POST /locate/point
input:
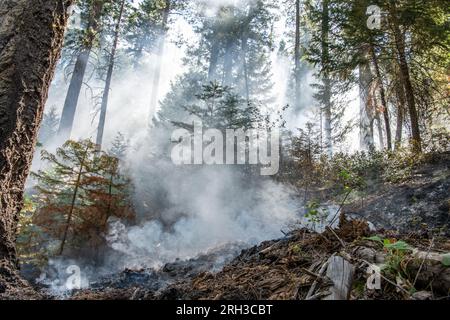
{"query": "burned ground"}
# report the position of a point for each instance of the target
(413, 256)
(288, 268)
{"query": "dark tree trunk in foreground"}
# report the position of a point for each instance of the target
(112, 59)
(76, 82)
(31, 37)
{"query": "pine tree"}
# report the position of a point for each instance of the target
(141, 30)
(119, 146)
(78, 194)
(235, 49)
(49, 126)
(110, 69)
(220, 108)
(81, 43)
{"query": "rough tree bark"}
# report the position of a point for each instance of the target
(76, 81)
(31, 37)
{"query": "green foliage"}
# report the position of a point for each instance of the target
(30, 237)
(374, 238)
(240, 39)
(397, 246)
(119, 146)
(49, 126)
(400, 165)
(91, 14)
(446, 260)
(296, 249)
(77, 195)
(312, 212)
(397, 251)
(391, 245)
(220, 108)
(423, 32)
(315, 214)
(142, 28)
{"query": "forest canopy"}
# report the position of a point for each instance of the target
(152, 122)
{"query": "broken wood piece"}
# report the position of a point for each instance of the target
(340, 272)
(314, 285)
(314, 275)
(337, 237)
(319, 295)
(269, 248)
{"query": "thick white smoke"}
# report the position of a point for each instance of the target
(188, 210)
(182, 211)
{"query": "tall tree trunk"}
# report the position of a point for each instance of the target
(112, 59)
(384, 104)
(213, 60)
(365, 107)
(380, 131)
(244, 50)
(297, 55)
(228, 62)
(229, 50)
(326, 77)
(76, 81)
(74, 199)
(400, 93)
(158, 60)
(406, 79)
(31, 37)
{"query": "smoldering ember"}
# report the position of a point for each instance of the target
(228, 150)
